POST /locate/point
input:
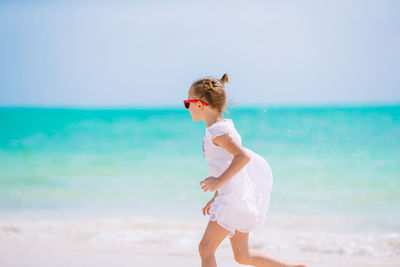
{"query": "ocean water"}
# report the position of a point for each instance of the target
(336, 170)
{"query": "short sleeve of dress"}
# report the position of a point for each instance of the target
(218, 130)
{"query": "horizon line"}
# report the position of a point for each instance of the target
(235, 106)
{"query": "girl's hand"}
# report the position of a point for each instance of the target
(211, 183)
(207, 207)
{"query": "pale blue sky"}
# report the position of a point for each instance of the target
(127, 53)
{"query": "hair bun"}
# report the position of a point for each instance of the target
(207, 83)
(224, 78)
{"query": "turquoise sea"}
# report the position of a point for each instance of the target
(337, 164)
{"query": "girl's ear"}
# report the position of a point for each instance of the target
(200, 105)
(224, 78)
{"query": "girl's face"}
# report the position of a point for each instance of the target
(195, 109)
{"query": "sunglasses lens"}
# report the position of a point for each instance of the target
(187, 104)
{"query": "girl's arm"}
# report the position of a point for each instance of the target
(238, 162)
(240, 159)
(207, 207)
(215, 195)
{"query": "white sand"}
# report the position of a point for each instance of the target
(138, 242)
(57, 253)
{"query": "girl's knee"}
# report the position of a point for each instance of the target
(205, 249)
(243, 258)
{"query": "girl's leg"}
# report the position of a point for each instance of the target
(240, 247)
(213, 236)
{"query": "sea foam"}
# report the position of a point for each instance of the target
(185, 234)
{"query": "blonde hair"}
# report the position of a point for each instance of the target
(212, 91)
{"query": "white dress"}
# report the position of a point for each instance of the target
(243, 201)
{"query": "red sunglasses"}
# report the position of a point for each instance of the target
(187, 102)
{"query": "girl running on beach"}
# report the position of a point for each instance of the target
(242, 179)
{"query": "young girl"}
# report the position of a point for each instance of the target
(242, 180)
